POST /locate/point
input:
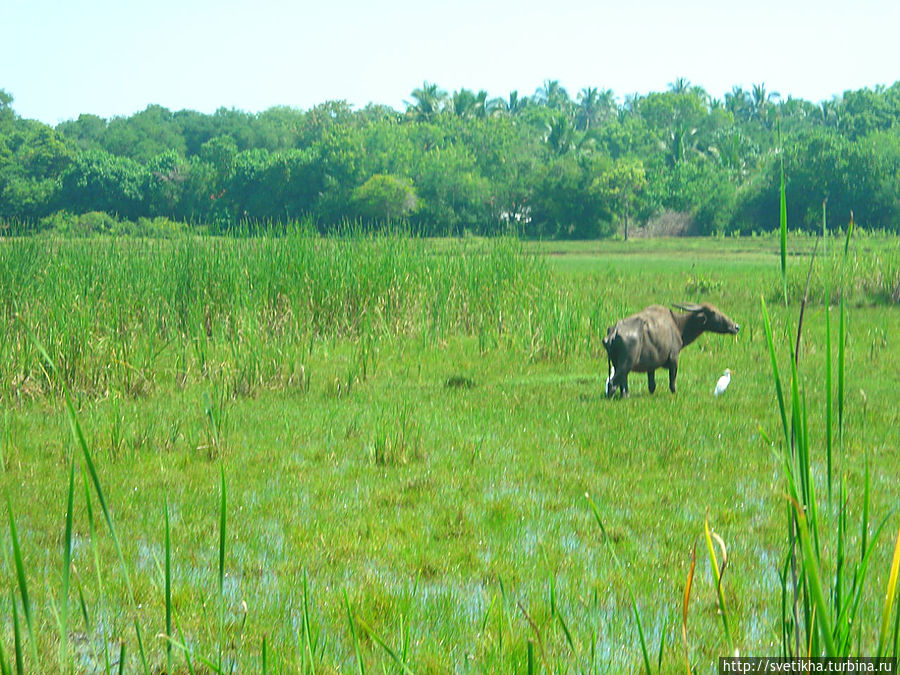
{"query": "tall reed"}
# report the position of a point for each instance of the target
(822, 619)
(123, 315)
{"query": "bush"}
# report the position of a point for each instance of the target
(384, 198)
(96, 223)
(80, 225)
(157, 228)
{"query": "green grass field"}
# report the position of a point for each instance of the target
(407, 432)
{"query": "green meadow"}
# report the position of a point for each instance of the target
(377, 453)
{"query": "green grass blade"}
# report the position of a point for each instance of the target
(864, 525)
(851, 609)
(184, 650)
(140, 641)
(838, 594)
(566, 633)
(212, 666)
(778, 389)
(717, 574)
(662, 646)
(107, 664)
(813, 578)
(223, 503)
(360, 666)
(634, 607)
(307, 627)
(66, 572)
(82, 604)
(23, 582)
(386, 647)
(842, 338)
(685, 605)
(78, 436)
(786, 619)
(265, 656)
(121, 657)
(847, 241)
(4, 661)
(93, 533)
(168, 573)
(17, 635)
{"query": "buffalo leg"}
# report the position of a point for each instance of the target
(620, 382)
(673, 373)
(651, 380)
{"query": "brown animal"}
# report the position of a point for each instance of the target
(653, 338)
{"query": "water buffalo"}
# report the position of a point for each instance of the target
(653, 338)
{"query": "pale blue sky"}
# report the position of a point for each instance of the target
(60, 58)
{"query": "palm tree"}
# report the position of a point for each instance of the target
(560, 135)
(595, 107)
(761, 101)
(681, 85)
(516, 103)
(832, 112)
(631, 104)
(553, 95)
(683, 141)
(588, 108)
(512, 106)
(481, 103)
(429, 101)
(608, 101)
(738, 103)
(465, 103)
(734, 149)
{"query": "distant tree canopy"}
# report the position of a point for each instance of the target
(546, 165)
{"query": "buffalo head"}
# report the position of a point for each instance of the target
(711, 318)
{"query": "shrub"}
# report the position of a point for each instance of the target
(385, 198)
(80, 225)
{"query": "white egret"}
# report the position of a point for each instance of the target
(612, 374)
(723, 383)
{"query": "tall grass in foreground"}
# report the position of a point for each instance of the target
(822, 582)
(818, 617)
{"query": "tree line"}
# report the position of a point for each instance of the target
(545, 165)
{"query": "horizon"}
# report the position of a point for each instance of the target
(573, 95)
(109, 59)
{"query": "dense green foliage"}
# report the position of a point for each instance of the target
(546, 165)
